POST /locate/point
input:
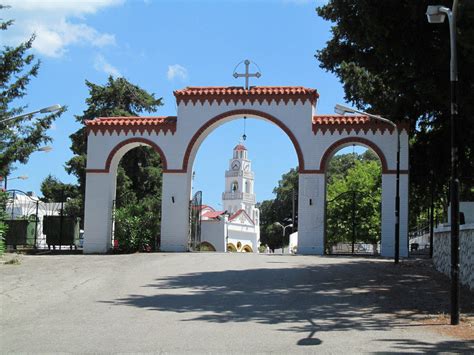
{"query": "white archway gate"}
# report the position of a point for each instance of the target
(202, 109)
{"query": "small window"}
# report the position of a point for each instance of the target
(234, 186)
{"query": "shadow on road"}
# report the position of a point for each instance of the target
(356, 294)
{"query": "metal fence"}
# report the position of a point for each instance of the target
(35, 224)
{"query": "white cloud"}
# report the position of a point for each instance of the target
(101, 64)
(177, 71)
(51, 21)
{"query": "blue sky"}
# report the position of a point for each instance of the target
(163, 46)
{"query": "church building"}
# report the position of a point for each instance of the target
(237, 227)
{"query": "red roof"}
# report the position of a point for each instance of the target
(240, 147)
(340, 119)
(238, 213)
(133, 124)
(256, 93)
(339, 123)
(213, 214)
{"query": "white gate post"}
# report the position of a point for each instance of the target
(404, 215)
(175, 212)
(100, 193)
(311, 203)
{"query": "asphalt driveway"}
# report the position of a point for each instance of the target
(212, 302)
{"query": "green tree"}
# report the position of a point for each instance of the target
(138, 197)
(391, 61)
(278, 210)
(356, 194)
(19, 137)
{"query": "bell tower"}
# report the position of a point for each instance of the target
(239, 183)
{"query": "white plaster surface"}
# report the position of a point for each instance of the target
(100, 188)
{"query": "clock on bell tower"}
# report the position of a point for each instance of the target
(239, 183)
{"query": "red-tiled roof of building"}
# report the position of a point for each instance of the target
(339, 123)
(340, 119)
(213, 214)
(256, 93)
(238, 213)
(134, 124)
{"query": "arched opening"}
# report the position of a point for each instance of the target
(137, 165)
(242, 176)
(231, 248)
(206, 246)
(247, 249)
(353, 170)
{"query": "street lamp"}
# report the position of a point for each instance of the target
(43, 110)
(21, 177)
(341, 110)
(437, 14)
(284, 230)
(45, 149)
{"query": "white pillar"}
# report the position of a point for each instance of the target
(387, 243)
(388, 215)
(311, 210)
(100, 193)
(175, 212)
(404, 215)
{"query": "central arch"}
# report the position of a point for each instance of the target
(207, 128)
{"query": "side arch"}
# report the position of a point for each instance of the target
(257, 113)
(231, 247)
(329, 153)
(122, 144)
(208, 245)
(247, 249)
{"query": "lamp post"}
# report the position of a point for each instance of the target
(21, 177)
(45, 149)
(340, 109)
(437, 14)
(284, 230)
(226, 215)
(43, 110)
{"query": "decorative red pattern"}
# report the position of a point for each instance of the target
(258, 94)
(114, 151)
(240, 147)
(238, 213)
(339, 123)
(131, 124)
(247, 112)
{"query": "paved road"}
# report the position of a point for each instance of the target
(211, 302)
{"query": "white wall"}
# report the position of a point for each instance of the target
(467, 208)
(213, 232)
(100, 187)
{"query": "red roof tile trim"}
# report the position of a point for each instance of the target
(240, 147)
(213, 214)
(237, 214)
(339, 123)
(258, 94)
(164, 124)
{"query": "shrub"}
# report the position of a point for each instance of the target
(136, 228)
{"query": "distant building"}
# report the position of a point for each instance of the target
(237, 227)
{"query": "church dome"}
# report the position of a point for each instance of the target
(240, 146)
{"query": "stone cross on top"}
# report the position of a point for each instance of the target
(247, 75)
